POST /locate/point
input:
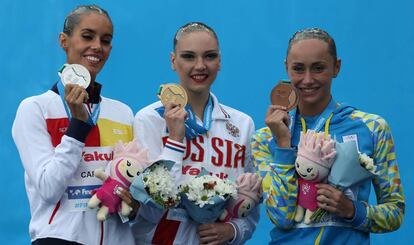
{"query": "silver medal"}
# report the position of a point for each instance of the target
(75, 74)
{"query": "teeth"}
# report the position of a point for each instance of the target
(308, 89)
(198, 77)
(92, 58)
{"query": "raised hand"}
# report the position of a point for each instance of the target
(277, 119)
(174, 117)
(75, 97)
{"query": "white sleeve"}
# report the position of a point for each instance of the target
(148, 131)
(246, 226)
(48, 168)
(174, 151)
(249, 167)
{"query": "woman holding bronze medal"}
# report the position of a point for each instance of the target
(311, 64)
(64, 134)
(191, 127)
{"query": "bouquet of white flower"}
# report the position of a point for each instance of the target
(155, 186)
(205, 197)
(350, 168)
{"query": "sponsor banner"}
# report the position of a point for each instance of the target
(81, 192)
(80, 187)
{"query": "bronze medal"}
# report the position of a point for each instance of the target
(172, 93)
(284, 94)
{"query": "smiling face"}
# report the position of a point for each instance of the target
(309, 170)
(128, 168)
(196, 60)
(89, 44)
(311, 67)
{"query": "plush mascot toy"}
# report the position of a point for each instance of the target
(129, 161)
(316, 154)
(249, 193)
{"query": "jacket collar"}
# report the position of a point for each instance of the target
(218, 111)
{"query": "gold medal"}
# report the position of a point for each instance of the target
(284, 94)
(172, 93)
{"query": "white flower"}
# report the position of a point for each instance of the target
(160, 186)
(201, 190)
(368, 163)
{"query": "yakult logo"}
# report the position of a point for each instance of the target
(97, 156)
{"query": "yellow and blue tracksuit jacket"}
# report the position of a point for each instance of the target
(280, 186)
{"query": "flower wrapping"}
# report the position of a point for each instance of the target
(349, 169)
(156, 187)
(205, 197)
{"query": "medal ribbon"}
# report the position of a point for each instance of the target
(323, 119)
(191, 122)
(93, 116)
(192, 128)
(326, 124)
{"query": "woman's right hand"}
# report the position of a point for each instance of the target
(75, 96)
(175, 116)
(277, 119)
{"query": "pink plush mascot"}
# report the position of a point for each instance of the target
(129, 162)
(249, 193)
(316, 154)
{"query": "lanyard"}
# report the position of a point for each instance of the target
(192, 128)
(323, 119)
(191, 123)
(328, 121)
(93, 116)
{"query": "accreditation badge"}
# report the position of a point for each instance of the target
(284, 94)
(75, 74)
(172, 93)
(83, 182)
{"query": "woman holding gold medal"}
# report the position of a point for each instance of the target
(311, 64)
(191, 127)
(66, 133)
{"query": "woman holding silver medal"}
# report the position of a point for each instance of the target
(191, 127)
(67, 132)
(311, 64)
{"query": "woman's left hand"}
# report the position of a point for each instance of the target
(128, 199)
(334, 201)
(216, 233)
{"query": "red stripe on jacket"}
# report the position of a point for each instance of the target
(57, 127)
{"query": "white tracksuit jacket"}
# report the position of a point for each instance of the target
(224, 151)
(53, 152)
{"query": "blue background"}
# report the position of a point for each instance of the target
(375, 40)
